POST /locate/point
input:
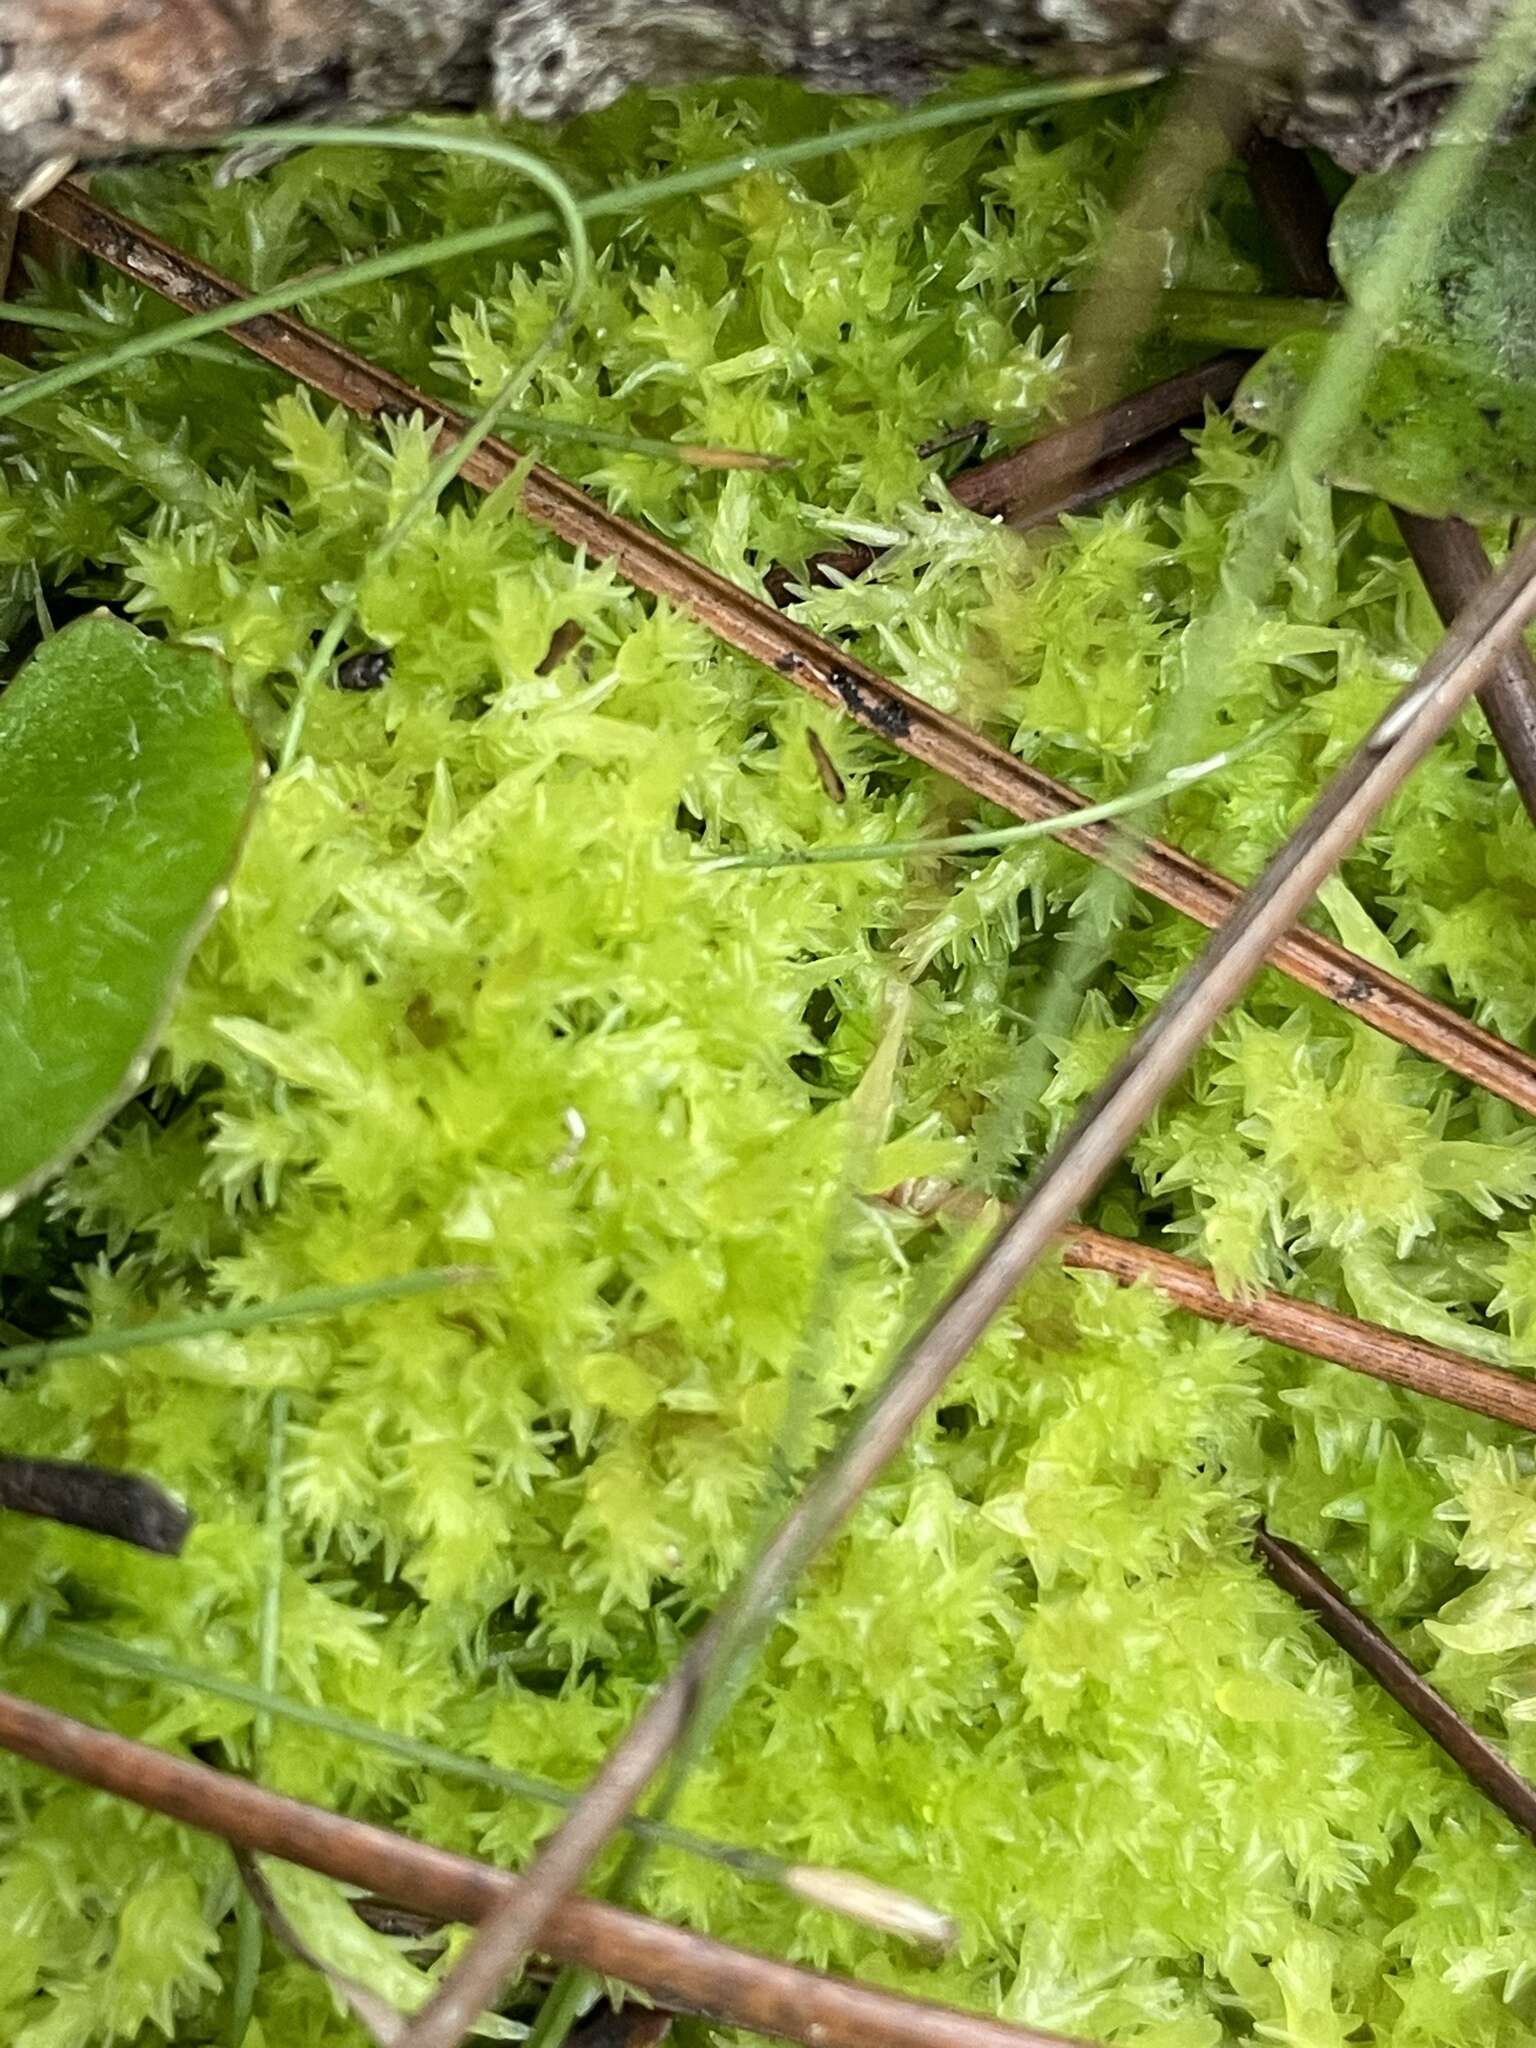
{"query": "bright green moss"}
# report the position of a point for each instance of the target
(1041, 1681)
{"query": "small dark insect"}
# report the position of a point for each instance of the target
(565, 639)
(365, 671)
(826, 768)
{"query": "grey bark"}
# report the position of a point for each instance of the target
(87, 78)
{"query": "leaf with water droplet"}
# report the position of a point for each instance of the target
(1447, 420)
(1430, 432)
(1476, 300)
(127, 779)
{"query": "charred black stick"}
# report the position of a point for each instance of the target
(115, 1504)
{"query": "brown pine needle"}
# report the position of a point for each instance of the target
(1448, 553)
(1055, 471)
(1450, 556)
(1044, 497)
(1326, 1333)
(677, 1968)
(1306, 1581)
(820, 667)
(826, 768)
(1305, 1326)
(1070, 1177)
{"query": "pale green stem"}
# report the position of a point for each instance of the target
(81, 1646)
(269, 1630)
(59, 320)
(992, 841)
(1234, 319)
(535, 426)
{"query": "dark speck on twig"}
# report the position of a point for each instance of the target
(870, 706)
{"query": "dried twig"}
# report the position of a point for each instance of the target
(1305, 1580)
(117, 1504)
(1305, 1326)
(1450, 556)
(1326, 1333)
(818, 666)
(1024, 487)
(671, 1965)
(1448, 553)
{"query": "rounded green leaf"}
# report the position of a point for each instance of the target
(1477, 299)
(1431, 433)
(126, 781)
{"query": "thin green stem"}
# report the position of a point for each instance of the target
(535, 426)
(105, 1653)
(563, 2005)
(619, 201)
(59, 320)
(248, 1921)
(311, 1301)
(1236, 319)
(994, 840)
(249, 1936)
(54, 318)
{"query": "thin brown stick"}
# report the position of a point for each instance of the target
(824, 670)
(1326, 1333)
(1450, 556)
(1296, 211)
(1045, 499)
(1019, 487)
(671, 1965)
(1306, 1581)
(1448, 553)
(1072, 1174)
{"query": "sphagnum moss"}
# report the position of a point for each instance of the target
(1041, 1681)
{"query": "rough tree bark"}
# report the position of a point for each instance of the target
(86, 78)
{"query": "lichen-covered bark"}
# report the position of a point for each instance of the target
(94, 77)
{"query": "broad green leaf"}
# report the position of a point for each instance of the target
(1477, 302)
(1447, 423)
(1431, 433)
(126, 780)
